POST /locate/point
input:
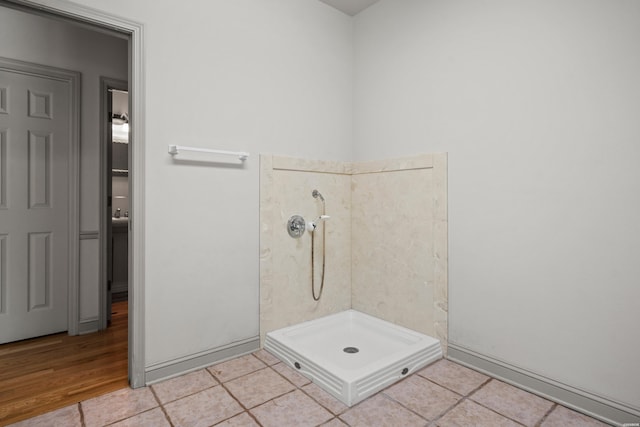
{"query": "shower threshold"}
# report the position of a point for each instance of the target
(352, 355)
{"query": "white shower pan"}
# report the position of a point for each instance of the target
(352, 355)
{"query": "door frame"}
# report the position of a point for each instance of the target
(134, 32)
(72, 78)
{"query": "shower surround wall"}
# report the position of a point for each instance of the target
(399, 244)
(285, 263)
(386, 252)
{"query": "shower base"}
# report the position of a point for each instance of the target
(352, 355)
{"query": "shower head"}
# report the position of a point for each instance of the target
(316, 194)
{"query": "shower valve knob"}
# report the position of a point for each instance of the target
(296, 226)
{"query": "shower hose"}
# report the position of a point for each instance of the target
(313, 275)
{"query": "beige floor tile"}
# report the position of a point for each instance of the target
(297, 379)
(453, 376)
(203, 409)
(293, 409)
(380, 411)
(242, 420)
(512, 402)
(68, 416)
(185, 385)
(334, 423)
(117, 406)
(235, 368)
(469, 413)
(152, 418)
(325, 399)
(423, 397)
(266, 357)
(564, 417)
(259, 387)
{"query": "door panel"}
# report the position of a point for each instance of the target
(34, 205)
(39, 169)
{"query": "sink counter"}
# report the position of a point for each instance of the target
(120, 222)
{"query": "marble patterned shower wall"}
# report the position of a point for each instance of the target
(285, 263)
(386, 252)
(399, 242)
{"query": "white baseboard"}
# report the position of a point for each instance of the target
(607, 411)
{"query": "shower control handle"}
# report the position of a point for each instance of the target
(296, 226)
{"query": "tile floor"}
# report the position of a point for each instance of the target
(258, 390)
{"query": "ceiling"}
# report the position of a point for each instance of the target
(350, 7)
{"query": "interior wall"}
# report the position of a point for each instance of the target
(536, 103)
(35, 39)
(244, 75)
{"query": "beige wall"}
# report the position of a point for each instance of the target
(386, 250)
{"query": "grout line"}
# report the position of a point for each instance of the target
(475, 390)
(206, 368)
(183, 396)
(544, 417)
(283, 376)
(320, 403)
(264, 361)
(161, 406)
(504, 415)
(465, 398)
(435, 420)
(245, 409)
(304, 391)
(386, 396)
(491, 409)
(239, 376)
(82, 423)
(234, 397)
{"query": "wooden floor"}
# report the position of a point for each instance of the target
(47, 373)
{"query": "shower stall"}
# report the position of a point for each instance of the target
(374, 255)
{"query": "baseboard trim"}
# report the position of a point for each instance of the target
(594, 406)
(88, 327)
(117, 287)
(173, 368)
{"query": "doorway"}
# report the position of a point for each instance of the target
(114, 194)
(131, 31)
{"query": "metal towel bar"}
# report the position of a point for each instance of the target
(175, 149)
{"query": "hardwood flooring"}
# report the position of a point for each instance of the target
(42, 374)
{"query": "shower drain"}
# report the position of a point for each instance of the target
(350, 350)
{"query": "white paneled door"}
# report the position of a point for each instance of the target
(35, 132)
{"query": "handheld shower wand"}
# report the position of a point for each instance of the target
(312, 226)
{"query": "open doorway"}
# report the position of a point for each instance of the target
(114, 196)
(131, 33)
